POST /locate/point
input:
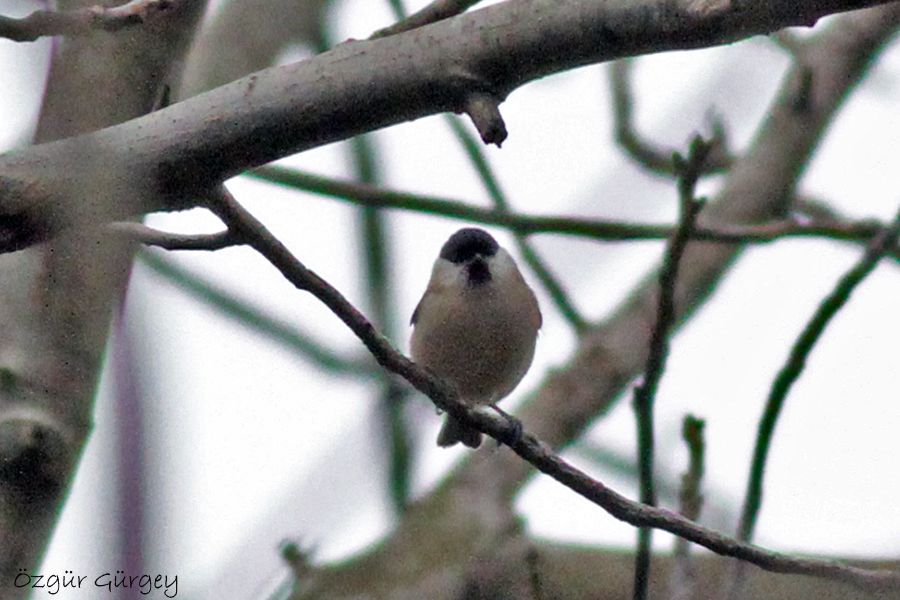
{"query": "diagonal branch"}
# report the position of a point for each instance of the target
(83, 21)
(786, 377)
(796, 362)
(539, 454)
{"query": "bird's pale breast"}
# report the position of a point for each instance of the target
(486, 341)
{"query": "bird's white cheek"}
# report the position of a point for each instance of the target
(446, 275)
(503, 267)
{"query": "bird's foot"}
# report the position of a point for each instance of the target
(515, 427)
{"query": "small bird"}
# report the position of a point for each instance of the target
(475, 326)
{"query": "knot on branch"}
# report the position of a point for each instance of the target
(484, 110)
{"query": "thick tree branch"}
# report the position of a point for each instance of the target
(56, 300)
(181, 152)
(539, 454)
(83, 21)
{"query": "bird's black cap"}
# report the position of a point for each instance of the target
(466, 243)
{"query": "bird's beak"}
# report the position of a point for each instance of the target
(478, 270)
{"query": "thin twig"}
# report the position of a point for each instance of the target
(792, 370)
(83, 21)
(398, 9)
(525, 444)
(682, 580)
(796, 362)
(656, 160)
(608, 231)
(257, 320)
(532, 562)
(375, 251)
(689, 172)
(149, 236)
(437, 10)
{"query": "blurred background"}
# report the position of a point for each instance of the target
(235, 412)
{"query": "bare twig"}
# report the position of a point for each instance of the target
(533, 559)
(376, 255)
(297, 557)
(689, 171)
(691, 496)
(437, 10)
(824, 226)
(792, 370)
(681, 582)
(258, 320)
(83, 21)
(526, 445)
(149, 236)
(654, 159)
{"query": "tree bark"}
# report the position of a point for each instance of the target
(56, 298)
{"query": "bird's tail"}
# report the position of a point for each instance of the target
(455, 431)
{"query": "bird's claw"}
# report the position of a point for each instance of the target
(515, 428)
